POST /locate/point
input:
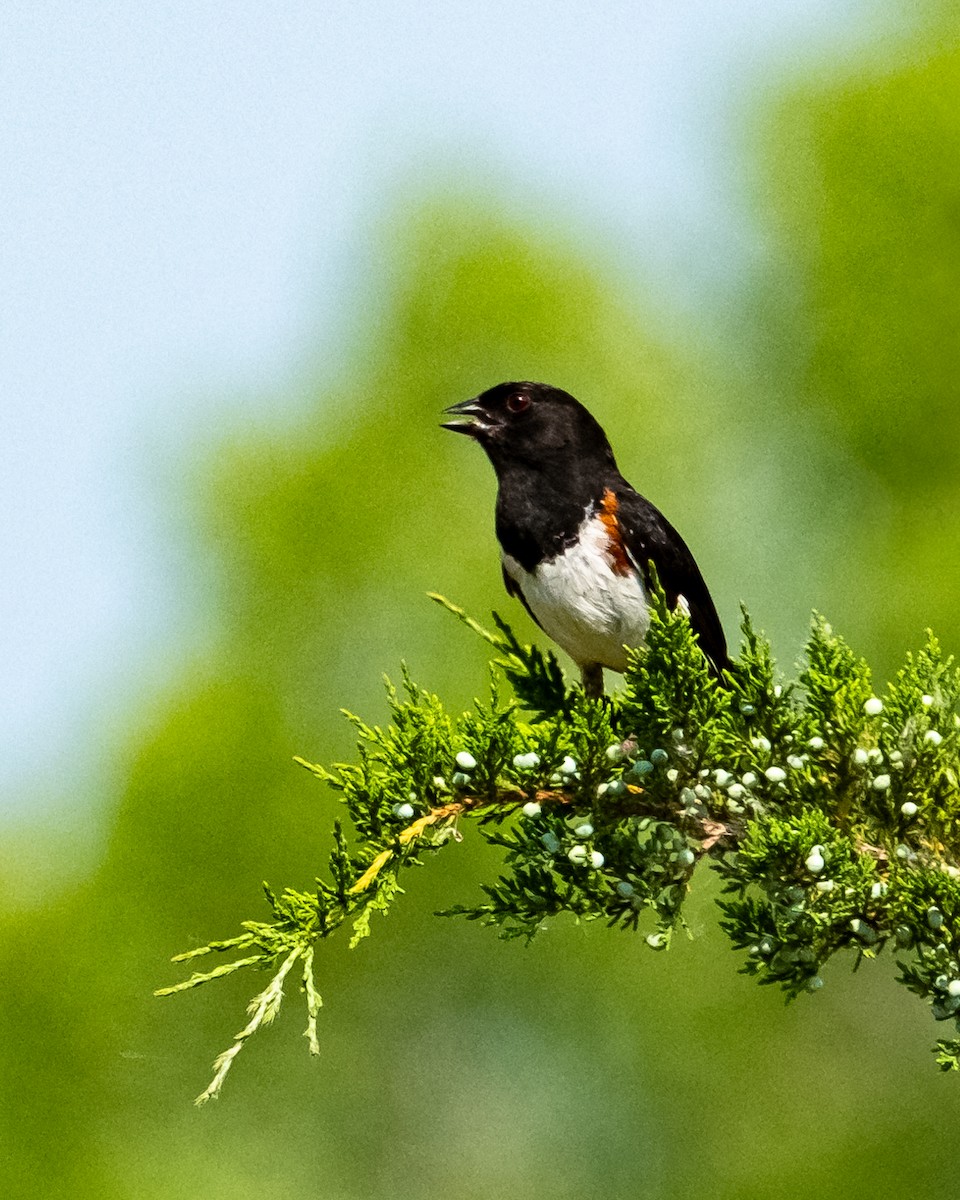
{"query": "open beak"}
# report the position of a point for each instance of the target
(474, 415)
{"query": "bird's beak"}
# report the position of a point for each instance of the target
(473, 425)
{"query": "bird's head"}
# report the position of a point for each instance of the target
(530, 424)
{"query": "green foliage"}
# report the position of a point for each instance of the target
(830, 813)
(803, 891)
(536, 677)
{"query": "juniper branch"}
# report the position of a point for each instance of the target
(831, 813)
(263, 1009)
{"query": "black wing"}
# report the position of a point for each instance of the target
(649, 537)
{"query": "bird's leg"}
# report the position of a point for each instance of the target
(591, 674)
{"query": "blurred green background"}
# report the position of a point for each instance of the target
(805, 438)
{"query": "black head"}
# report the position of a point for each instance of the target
(534, 425)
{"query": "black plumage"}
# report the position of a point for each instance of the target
(576, 539)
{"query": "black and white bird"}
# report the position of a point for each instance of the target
(576, 540)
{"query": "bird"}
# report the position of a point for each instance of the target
(577, 542)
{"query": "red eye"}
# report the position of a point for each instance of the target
(517, 402)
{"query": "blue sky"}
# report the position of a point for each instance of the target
(187, 189)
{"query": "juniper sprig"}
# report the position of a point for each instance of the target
(830, 810)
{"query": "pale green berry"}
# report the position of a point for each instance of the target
(861, 757)
(825, 885)
(749, 779)
(736, 791)
(775, 774)
(459, 779)
(531, 809)
(577, 855)
(953, 987)
(722, 777)
(584, 831)
(926, 701)
(625, 889)
(673, 775)
(881, 783)
(909, 809)
(466, 761)
(403, 811)
(933, 737)
(568, 766)
(873, 707)
(761, 743)
(596, 859)
(816, 743)
(815, 861)
(526, 762)
(795, 761)
(934, 918)
(658, 756)
(686, 857)
(615, 752)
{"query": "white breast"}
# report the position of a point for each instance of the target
(580, 602)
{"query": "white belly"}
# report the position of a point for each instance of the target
(580, 602)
